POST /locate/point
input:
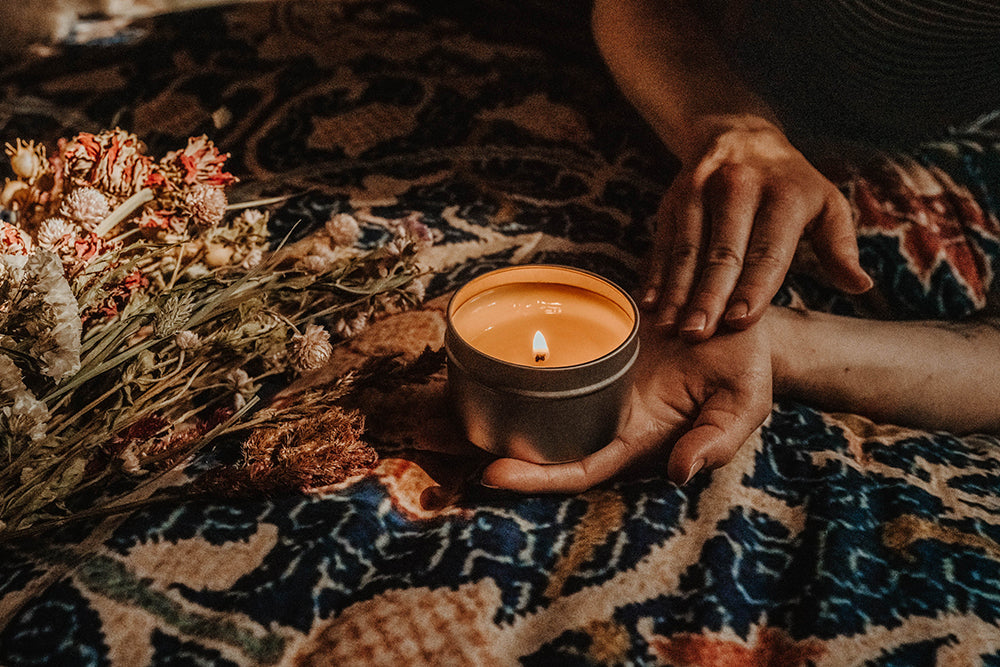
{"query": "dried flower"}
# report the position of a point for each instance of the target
(26, 416)
(86, 205)
(343, 229)
(312, 349)
(218, 254)
(13, 240)
(27, 160)
(173, 314)
(314, 264)
(199, 162)
(417, 290)
(56, 232)
(135, 304)
(54, 323)
(240, 382)
(352, 327)
(206, 204)
(187, 340)
(112, 161)
(252, 259)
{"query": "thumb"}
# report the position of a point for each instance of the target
(640, 433)
(725, 422)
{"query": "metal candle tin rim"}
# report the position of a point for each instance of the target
(565, 381)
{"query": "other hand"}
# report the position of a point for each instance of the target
(728, 227)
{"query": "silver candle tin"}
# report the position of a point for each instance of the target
(540, 414)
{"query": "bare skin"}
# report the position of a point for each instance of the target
(729, 223)
(695, 404)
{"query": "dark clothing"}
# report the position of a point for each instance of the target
(885, 71)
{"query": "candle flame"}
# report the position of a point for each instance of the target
(539, 347)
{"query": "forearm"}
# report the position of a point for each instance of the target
(923, 374)
(668, 64)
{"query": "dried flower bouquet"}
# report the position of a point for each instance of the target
(140, 314)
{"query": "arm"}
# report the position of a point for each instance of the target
(931, 375)
(729, 223)
(694, 405)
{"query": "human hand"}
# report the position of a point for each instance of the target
(704, 399)
(728, 227)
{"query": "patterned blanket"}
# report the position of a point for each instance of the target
(829, 540)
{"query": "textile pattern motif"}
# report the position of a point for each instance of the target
(829, 540)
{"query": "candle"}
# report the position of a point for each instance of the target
(575, 324)
(539, 360)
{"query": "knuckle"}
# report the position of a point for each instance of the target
(767, 258)
(733, 177)
(724, 257)
(684, 253)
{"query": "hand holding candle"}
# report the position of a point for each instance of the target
(692, 407)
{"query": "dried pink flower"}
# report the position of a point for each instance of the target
(13, 241)
(112, 161)
(206, 204)
(56, 232)
(86, 205)
(413, 229)
(343, 229)
(310, 350)
(199, 162)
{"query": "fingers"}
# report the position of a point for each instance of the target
(735, 196)
(676, 252)
(769, 254)
(725, 422)
(834, 239)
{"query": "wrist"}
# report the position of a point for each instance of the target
(782, 326)
(712, 132)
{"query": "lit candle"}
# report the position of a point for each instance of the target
(539, 359)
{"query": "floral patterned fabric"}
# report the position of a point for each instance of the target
(829, 540)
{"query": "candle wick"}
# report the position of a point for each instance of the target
(539, 358)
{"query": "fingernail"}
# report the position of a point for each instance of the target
(738, 311)
(869, 283)
(649, 298)
(695, 468)
(696, 321)
(667, 317)
(489, 486)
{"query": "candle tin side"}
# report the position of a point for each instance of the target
(539, 414)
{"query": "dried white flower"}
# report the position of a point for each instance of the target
(314, 264)
(130, 461)
(187, 339)
(54, 232)
(310, 350)
(56, 335)
(417, 290)
(207, 205)
(26, 415)
(343, 229)
(254, 219)
(354, 326)
(240, 381)
(253, 259)
(88, 206)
